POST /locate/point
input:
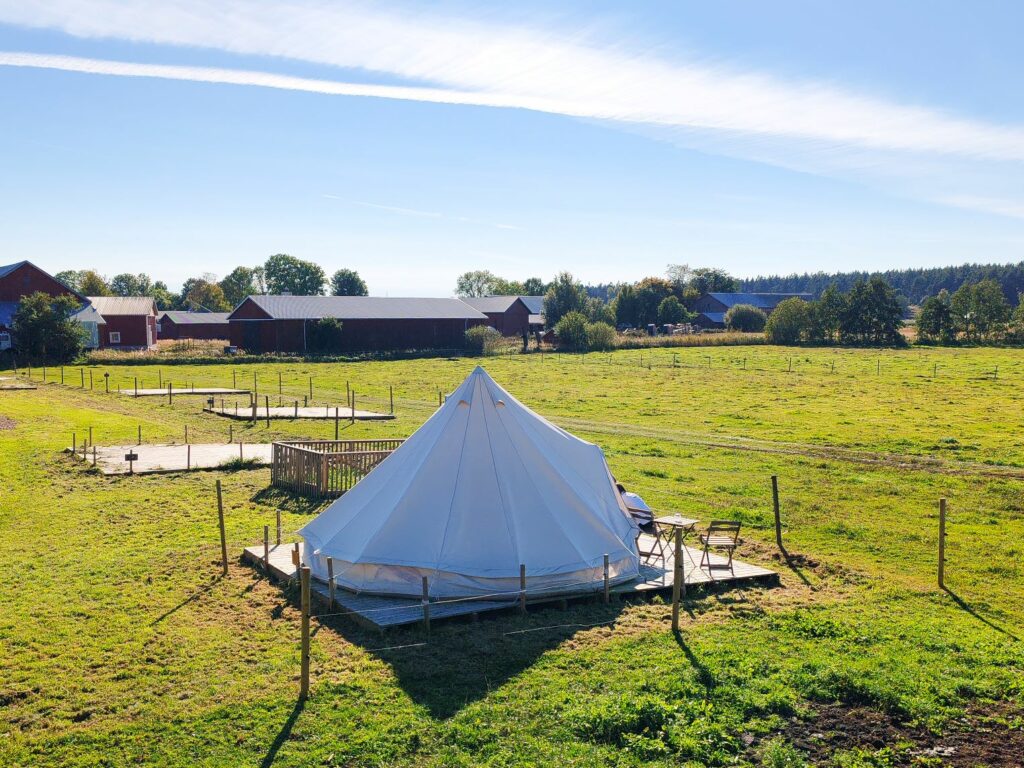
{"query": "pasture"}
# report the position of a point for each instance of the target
(121, 644)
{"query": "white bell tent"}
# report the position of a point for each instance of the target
(483, 486)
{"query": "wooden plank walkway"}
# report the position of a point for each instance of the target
(155, 458)
(383, 612)
(244, 412)
(175, 392)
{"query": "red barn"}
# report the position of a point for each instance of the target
(193, 325)
(369, 323)
(23, 279)
(510, 315)
(125, 322)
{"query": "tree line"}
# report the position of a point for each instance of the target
(280, 274)
(914, 284)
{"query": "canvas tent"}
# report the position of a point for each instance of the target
(483, 486)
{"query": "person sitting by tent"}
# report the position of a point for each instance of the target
(638, 509)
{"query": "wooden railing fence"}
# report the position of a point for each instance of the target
(325, 468)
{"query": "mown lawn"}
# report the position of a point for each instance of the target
(120, 644)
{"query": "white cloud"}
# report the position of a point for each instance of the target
(810, 126)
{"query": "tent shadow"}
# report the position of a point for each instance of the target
(287, 501)
(462, 661)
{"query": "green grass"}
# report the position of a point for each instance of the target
(122, 646)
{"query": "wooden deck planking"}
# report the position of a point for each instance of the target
(323, 412)
(383, 612)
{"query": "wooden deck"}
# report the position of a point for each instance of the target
(175, 392)
(344, 413)
(384, 612)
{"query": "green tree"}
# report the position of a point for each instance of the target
(600, 337)
(872, 315)
(72, 278)
(162, 296)
(598, 311)
(43, 329)
(626, 306)
(671, 311)
(534, 286)
(480, 282)
(746, 318)
(1017, 320)
(571, 331)
(564, 295)
(238, 284)
(201, 294)
(91, 283)
(712, 280)
(503, 287)
(980, 310)
(324, 336)
(787, 324)
(127, 284)
(828, 313)
(288, 275)
(650, 292)
(934, 321)
(347, 282)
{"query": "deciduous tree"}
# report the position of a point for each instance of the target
(347, 282)
(288, 275)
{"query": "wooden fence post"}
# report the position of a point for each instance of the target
(266, 549)
(223, 535)
(90, 436)
(62, 373)
(607, 594)
(231, 433)
(186, 434)
(279, 527)
(677, 582)
(280, 386)
(522, 588)
(136, 386)
(90, 380)
(336, 416)
(353, 407)
(81, 371)
(942, 543)
(94, 455)
(775, 506)
(391, 399)
(140, 435)
(310, 387)
(426, 605)
(170, 392)
(74, 444)
(304, 674)
(188, 456)
(266, 404)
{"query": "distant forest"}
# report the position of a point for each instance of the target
(914, 284)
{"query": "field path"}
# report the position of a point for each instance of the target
(823, 451)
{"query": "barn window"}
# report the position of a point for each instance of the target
(115, 337)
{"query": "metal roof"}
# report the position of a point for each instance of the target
(759, 300)
(195, 318)
(88, 314)
(123, 305)
(491, 303)
(714, 317)
(534, 303)
(363, 308)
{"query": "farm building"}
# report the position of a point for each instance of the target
(711, 307)
(22, 279)
(510, 315)
(192, 325)
(483, 488)
(123, 322)
(369, 323)
(536, 306)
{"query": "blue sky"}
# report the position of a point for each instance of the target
(412, 142)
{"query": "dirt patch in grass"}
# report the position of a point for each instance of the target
(6, 422)
(992, 737)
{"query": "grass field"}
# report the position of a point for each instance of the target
(122, 646)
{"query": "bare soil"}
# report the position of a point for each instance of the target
(991, 737)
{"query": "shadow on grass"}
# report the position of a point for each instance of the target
(288, 501)
(190, 599)
(462, 661)
(966, 606)
(283, 735)
(704, 676)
